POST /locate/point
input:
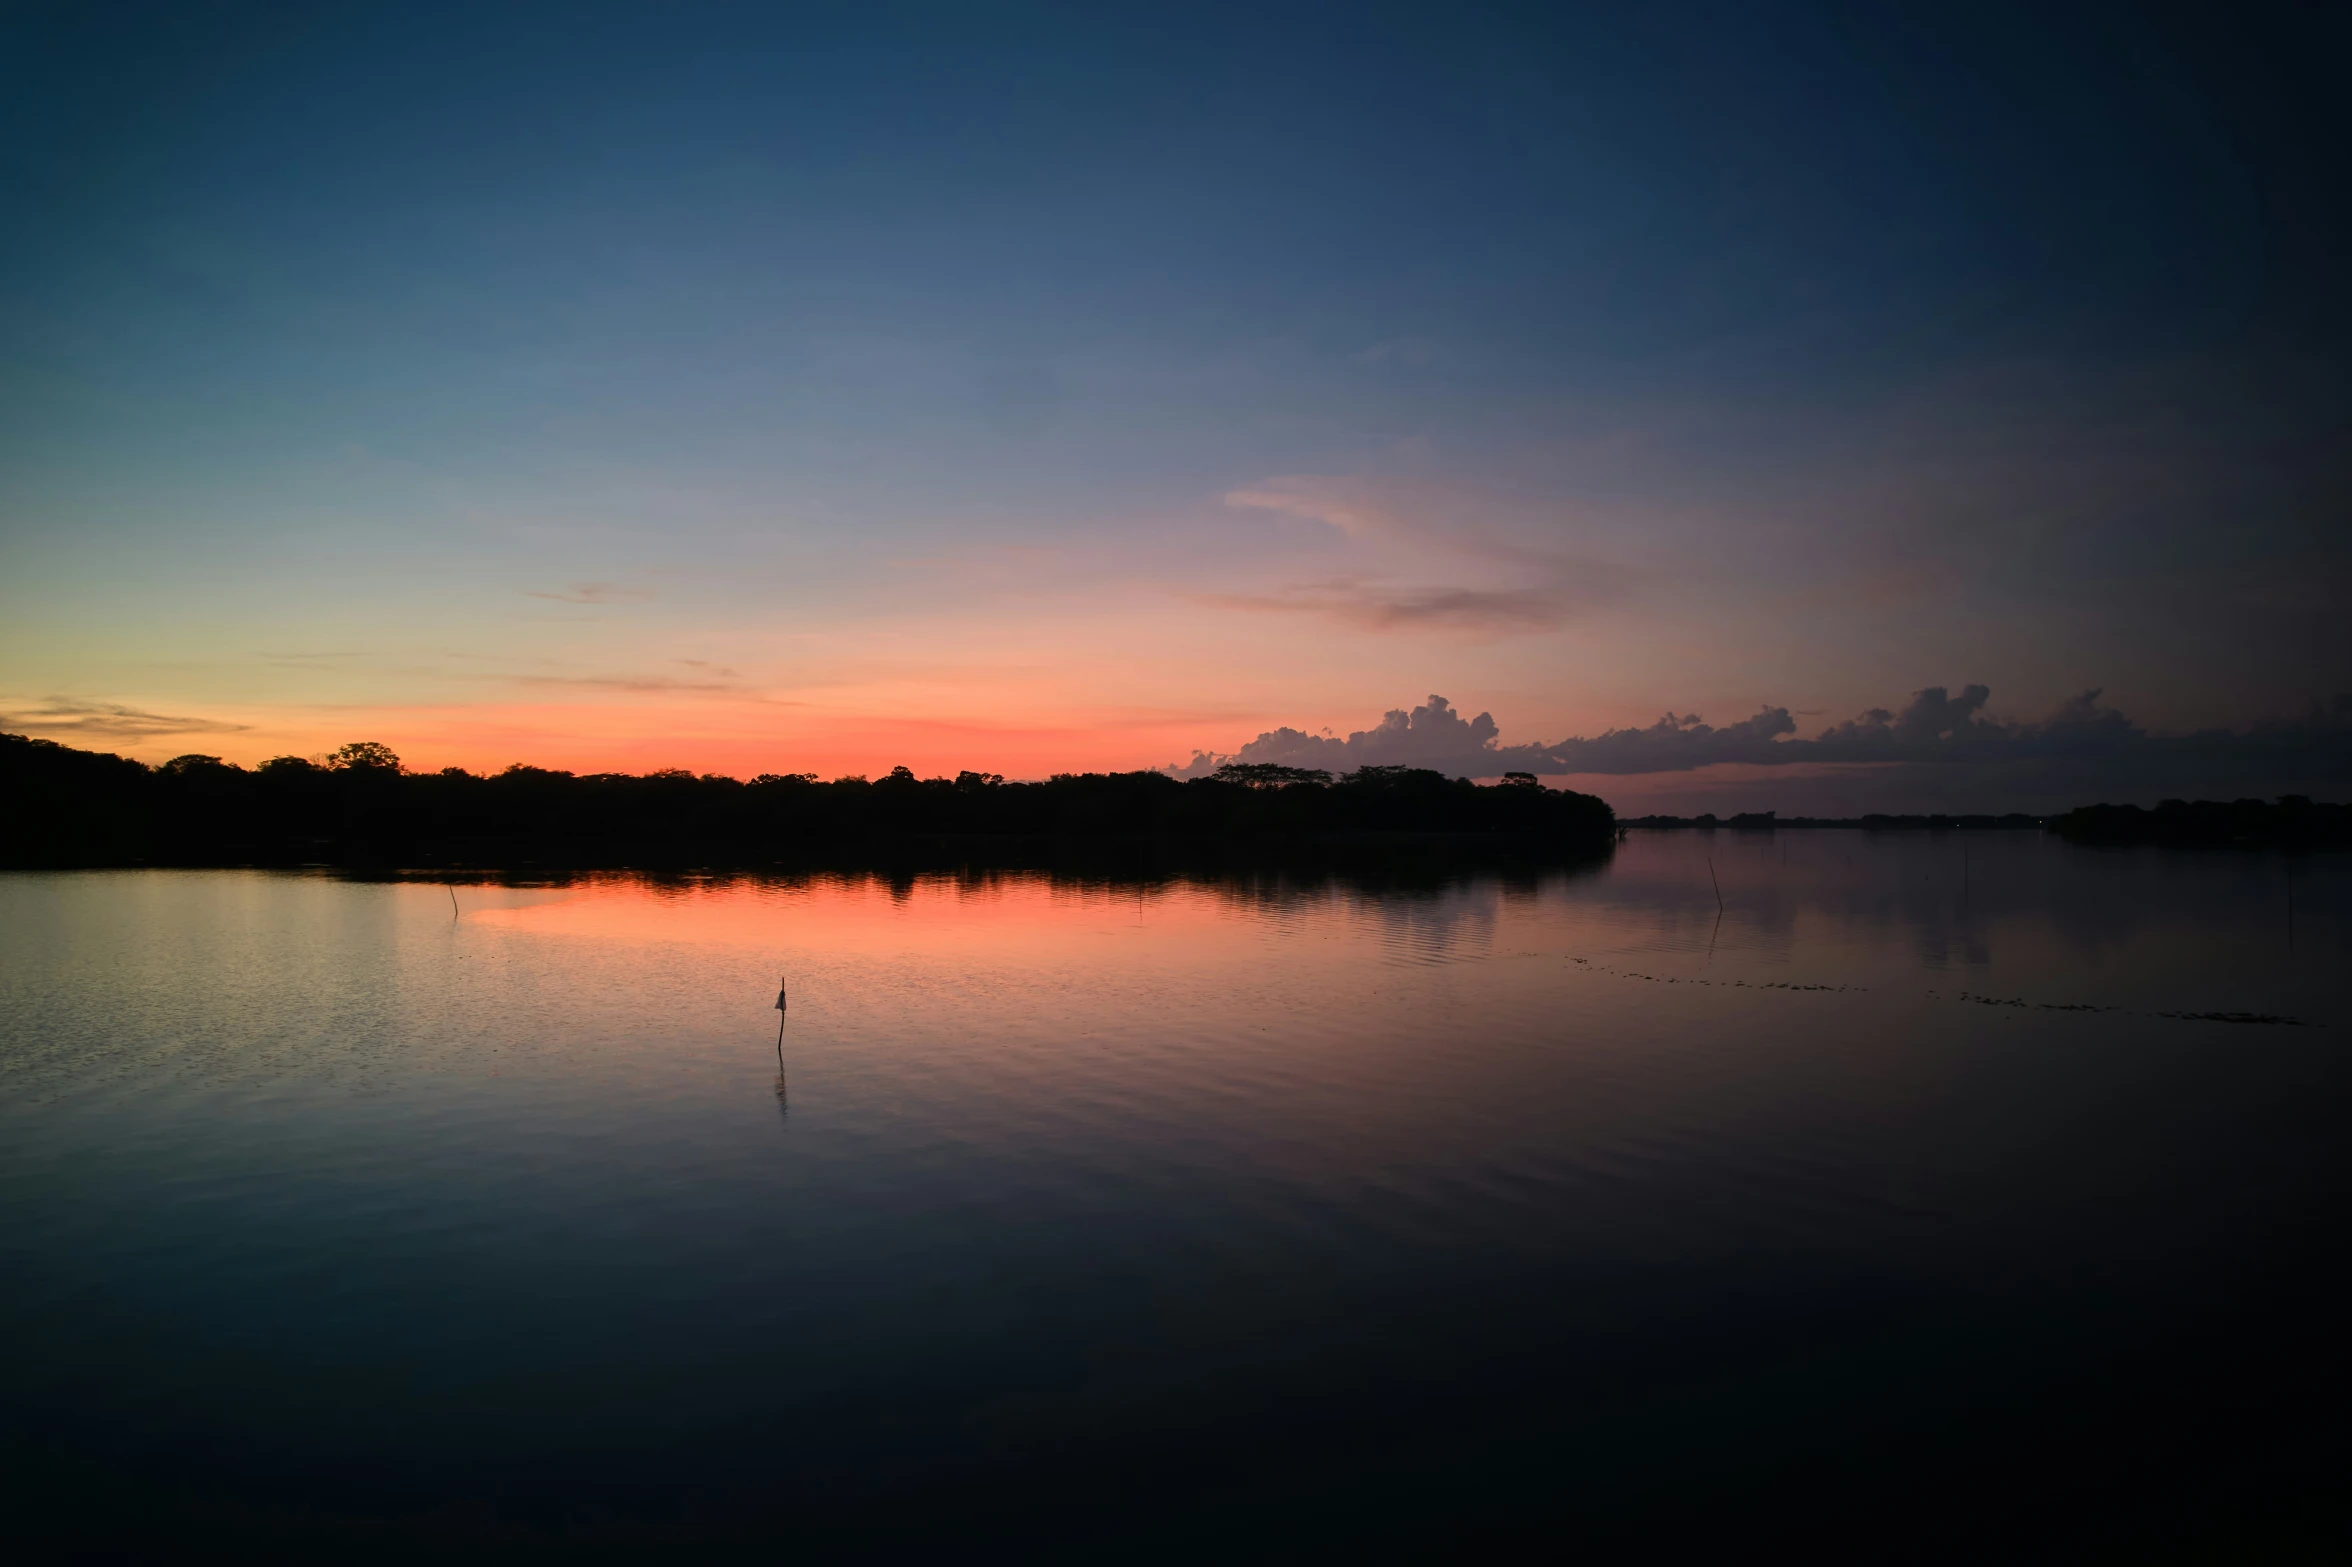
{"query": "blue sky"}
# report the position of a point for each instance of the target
(1018, 383)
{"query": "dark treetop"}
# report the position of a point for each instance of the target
(64, 807)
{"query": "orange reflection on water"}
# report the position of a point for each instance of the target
(1023, 918)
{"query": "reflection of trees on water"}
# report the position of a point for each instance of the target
(1951, 896)
(1298, 871)
(1419, 890)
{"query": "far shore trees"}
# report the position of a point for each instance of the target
(358, 806)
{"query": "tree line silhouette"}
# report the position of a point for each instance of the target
(2291, 821)
(1770, 821)
(60, 806)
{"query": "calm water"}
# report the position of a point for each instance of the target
(1881, 1205)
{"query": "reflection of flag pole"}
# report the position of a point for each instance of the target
(780, 1042)
(1718, 927)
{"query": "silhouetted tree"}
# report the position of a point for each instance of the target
(365, 756)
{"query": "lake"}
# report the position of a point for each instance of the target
(1896, 1193)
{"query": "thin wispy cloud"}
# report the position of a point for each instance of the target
(1371, 604)
(1351, 506)
(68, 718)
(636, 683)
(594, 593)
(1425, 542)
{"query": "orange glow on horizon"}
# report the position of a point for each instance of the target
(717, 739)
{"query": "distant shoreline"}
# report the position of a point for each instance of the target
(1768, 821)
(2291, 821)
(61, 807)
(360, 808)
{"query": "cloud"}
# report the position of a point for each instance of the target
(1374, 604)
(1432, 735)
(1934, 727)
(627, 682)
(63, 716)
(595, 593)
(1399, 522)
(1675, 743)
(1349, 505)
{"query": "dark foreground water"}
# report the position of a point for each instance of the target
(1920, 1199)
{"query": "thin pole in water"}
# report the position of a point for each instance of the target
(452, 899)
(1718, 886)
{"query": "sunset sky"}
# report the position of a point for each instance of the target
(779, 388)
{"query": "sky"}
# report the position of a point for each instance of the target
(1045, 388)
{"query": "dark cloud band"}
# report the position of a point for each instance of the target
(1935, 726)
